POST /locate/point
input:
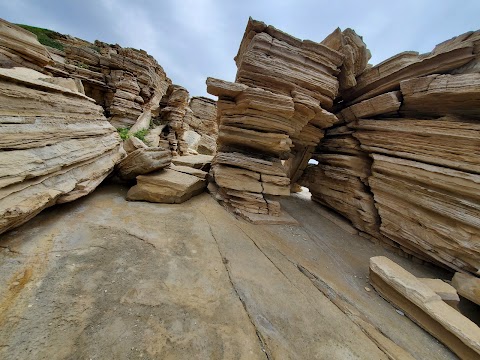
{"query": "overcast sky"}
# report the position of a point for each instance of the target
(196, 39)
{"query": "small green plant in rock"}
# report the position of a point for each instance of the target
(140, 134)
(123, 132)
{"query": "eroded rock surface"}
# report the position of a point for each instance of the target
(55, 145)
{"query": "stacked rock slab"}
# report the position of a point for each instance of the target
(55, 145)
(201, 135)
(284, 88)
(187, 125)
(425, 307)
(121, 80)
(416, 116)
(182, 180)
(20, 48)
(339, 181)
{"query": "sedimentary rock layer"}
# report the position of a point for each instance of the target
(425, 307)
(19, 47)
(55, 145)
(387, 75)
(447, 141)
(433, 208)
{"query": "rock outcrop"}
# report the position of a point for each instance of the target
(55, 145)
(276, 110)
(123, 81)
(416, 117)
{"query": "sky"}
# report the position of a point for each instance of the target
(193, 40)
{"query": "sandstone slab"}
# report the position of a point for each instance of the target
(425, 307)
(166, 186)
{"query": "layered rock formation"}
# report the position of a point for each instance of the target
(129, 84)
(416, 117)
(284, 88)
(425, 307)
(124, 81)
(182, 180)
(55, 145)
(20, 48)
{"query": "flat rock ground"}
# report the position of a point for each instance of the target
(103, 278)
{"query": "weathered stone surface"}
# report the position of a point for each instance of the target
(143, 161)
(189, 170)
(467, 286)
(387, 75)
(355, 52)
(342, 190)
(447, 141)
(275, 61)
(438, 95)
(19, 47)
(166, 186)
(446, 291)
(275, 110)
(425, 307)
(201, 162)
(39, 169)
(385, 104)
(132, 143)
(431, 208)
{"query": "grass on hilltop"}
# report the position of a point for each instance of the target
(45, 36)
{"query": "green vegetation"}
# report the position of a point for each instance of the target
(95, 48)
(45, 36)
(140, 134)
(123, 132)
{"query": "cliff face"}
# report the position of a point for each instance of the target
(58, 105)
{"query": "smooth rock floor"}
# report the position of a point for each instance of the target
(103, 278)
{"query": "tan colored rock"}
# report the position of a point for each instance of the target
(387, 75)
(269, 166)
(355, 52)
(425, 307)
(201, 162)
(447, 141)
(438, 95)
(446, 291)
(385, 104)
(166, 186)
(467, 286)
(132, 143)
(19, 47)
(189, 170)
(276, 110)
(431, 208)
(143, 161)
(343, 191)
(40, 170)
(274, 60)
